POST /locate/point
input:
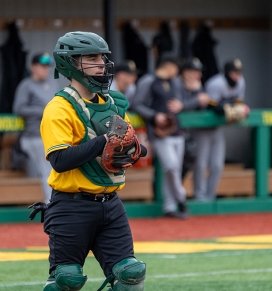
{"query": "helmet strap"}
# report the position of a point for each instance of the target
(56, 74)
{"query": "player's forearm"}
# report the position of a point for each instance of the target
(191, 104)
(144, 111)
(73, 157)
(28, 111)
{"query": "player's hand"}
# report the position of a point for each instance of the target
(37, 207)
(203, 99)
(174, 106)
(160, 119)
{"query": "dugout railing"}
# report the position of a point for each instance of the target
(260, 120)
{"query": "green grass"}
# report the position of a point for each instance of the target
(212, 271)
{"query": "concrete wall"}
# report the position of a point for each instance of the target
(192, 8)
(135, 8)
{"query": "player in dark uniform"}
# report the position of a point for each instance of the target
(85, 212)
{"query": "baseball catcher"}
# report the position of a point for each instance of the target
(89, 143)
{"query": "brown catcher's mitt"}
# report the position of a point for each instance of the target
(122, 148)
(167, 129)
(235, 112)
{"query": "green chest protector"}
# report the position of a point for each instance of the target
(94, 117)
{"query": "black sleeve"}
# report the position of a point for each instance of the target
(75, 156)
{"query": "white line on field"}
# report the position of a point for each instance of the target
(212, 273)
(159, 276)
(174, 256)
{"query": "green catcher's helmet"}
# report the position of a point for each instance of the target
(68, 51)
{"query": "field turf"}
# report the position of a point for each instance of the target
(238, 270)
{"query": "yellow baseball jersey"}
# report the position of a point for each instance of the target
(62, 128)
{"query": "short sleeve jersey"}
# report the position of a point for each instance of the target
(218, 88)
(62, 128)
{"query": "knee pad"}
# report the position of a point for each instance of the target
(129, 274)
(66, 278)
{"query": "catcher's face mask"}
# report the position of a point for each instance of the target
(95, 71)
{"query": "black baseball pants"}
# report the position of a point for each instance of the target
(76, 226)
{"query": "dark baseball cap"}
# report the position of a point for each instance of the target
(233, 65)
(192, 64)
(42, 59)
(167, 58)
(127, 67)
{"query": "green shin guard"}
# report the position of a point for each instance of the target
(129, 275)
(66, 278)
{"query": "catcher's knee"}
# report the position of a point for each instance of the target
(66, 278)
(129, 274)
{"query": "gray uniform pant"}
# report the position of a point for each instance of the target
(37, 165)
(170, 152)
(209, 164)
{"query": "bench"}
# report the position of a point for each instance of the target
(235, 181)
(17, 189)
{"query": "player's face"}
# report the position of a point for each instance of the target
(93, 65)
(235, 75)
(39, 72)
(172, 69)
(124, 80)
(192, 75)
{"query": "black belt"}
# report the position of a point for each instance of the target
(83, 196)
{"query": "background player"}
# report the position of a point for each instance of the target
(158, 101)
(224, 88)
(31, 96)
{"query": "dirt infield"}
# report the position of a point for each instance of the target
(200, 227)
